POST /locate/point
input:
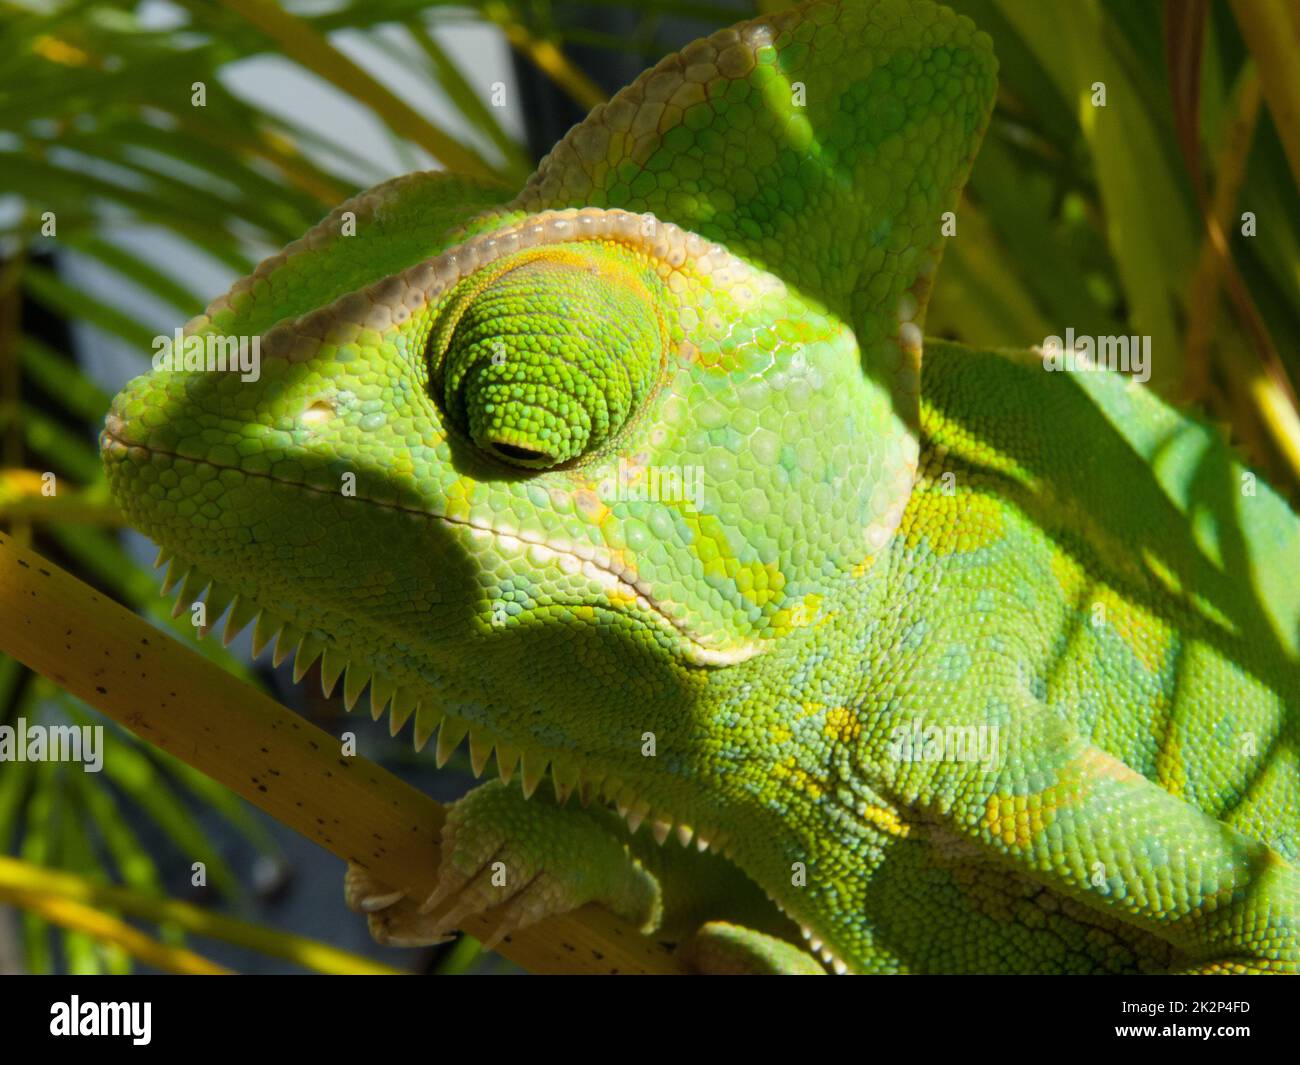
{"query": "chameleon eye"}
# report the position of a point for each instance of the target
(546, 359)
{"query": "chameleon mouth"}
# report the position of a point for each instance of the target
(621, 584)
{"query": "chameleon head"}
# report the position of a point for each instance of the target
(584, 418)
(551, 462)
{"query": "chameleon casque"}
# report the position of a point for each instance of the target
(723, 273)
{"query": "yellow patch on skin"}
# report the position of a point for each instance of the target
(459, 497)
(1012, 819)
(951, 439)
(1017, 820)
(1144, 634)
(803, 613)
(621, 597)
(886, 819)
(781, 734)
(842, 725)
(772, 580)
(717, 322)
(589, 505)
(759, 582)
(799, 616)
(621, 560)
(798, 779)
(862, 567)
(1171, 772)
(1070, 576)
(1095, 764)
(960, 523)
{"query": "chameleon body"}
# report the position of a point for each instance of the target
(634, 477)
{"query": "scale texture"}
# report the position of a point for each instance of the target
(636, 480)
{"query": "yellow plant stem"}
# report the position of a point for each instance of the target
(1272, 32)
(108, 929)
(23, 498)
(17, 877)
(100, 652)
(547, 57)
(1259, 381)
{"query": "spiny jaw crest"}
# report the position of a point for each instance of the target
(815, 944)
(567, 777)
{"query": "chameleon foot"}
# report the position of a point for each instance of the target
(522, 860)
(394, 919)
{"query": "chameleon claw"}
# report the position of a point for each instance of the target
(390, 940)
(375, 903)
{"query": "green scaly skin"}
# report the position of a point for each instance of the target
(726, 268)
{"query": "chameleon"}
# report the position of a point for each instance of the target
(837, 657)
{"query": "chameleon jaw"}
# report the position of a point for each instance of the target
(568, 776)
(404, 702)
